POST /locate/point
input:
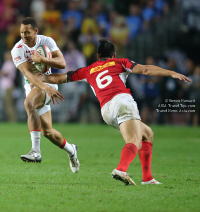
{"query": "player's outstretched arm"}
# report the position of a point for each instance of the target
(152, 70)
(57, 60)
(26, 68)
(54, 78)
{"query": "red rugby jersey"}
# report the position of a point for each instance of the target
(106, 77)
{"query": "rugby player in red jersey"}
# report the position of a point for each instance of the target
(107, 79)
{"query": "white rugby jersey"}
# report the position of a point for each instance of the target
(22, 53)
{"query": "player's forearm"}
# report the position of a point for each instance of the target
(152, 70)
(157, 71)
(56, 62)
(35, 81)
(54, 78)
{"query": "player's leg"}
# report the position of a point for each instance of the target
(132, 133)
(145, 154)
(53, 135)
(35, 99)
(56, 138)
(121, 112)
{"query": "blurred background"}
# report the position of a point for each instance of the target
(153, 32)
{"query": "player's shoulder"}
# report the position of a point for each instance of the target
(122, 60)
(44, 38)
(117, 60)
(48, 41)
(127, 62)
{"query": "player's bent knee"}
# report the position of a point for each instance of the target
(139, 145)
(150, 135)
(135, 141)
(28, 104)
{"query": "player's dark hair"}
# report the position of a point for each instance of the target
(105, 48)
(31, 21)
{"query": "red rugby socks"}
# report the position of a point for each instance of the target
(127, 156)
(145, 154)
(63, 143)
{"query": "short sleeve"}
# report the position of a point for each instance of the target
(18, 55)
(128, 64)
(51, 44)
(79, 74)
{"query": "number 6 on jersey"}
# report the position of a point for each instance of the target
(100, 80)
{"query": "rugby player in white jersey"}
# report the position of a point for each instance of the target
(38, 98)
(107, 78)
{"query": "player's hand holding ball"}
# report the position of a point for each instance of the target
(38, 56)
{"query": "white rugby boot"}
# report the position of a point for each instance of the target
(122, 176)
(153, 181)
(32, 156)
(73, 160)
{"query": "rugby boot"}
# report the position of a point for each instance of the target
(122, 176)
(73, 160)
(32, 156)
(153, 181)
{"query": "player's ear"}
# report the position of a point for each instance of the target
(36, 30)
(98, 57)
(114, 56)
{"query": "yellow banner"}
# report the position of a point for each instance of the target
(99, 68)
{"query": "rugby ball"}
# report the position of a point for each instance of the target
(39, 68)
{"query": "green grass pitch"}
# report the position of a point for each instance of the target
(52, 187)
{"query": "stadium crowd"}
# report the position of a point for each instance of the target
(76, 26)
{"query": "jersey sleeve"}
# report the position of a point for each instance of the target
(128, 64)
(79, 74)
(51, 44)
(18, 56)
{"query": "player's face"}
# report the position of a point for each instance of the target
(28, 34)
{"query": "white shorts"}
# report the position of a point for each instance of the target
(46, 106)
(119, 109)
